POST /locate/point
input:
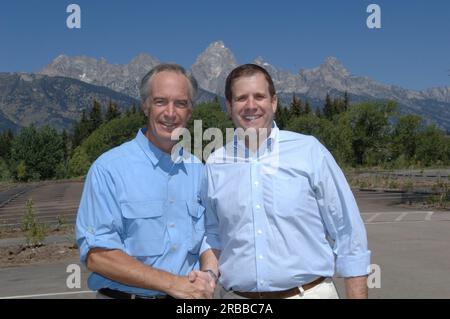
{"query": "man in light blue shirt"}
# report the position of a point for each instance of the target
(280, 216)
(140, 223)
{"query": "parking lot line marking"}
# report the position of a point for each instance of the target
(49, 294)
(398, 212)
(373, 217)
(399, 218)
(429, 214)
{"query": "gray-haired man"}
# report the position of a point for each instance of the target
(140, 224)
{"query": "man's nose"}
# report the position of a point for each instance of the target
(170, 111)
(251, 103)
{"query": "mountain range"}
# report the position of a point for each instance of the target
(57, 101)
(210, 69)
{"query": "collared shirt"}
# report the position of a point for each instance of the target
(281, 217)
(138, 200)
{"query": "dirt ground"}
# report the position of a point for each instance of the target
(17, 233)
(22, 255)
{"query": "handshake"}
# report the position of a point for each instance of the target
(196, 285)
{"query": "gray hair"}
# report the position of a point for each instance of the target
(145, 88)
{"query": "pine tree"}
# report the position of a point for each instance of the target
(318, 112)
(346, 101)
(81, 130)
(296, 106)
(112, 111)
(83, 117)
(328, 109)
(281, 116)
(6, 139)
(64, 140)
(307, 108)
(95, 116)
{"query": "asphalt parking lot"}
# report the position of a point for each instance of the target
(409, 245)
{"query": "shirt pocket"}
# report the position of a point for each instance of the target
(145, 227)
(197, 219)
(290, 196)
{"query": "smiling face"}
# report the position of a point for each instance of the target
(168, 108)
(251, 104)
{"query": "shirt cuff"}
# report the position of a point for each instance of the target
(90, 241)
(353, 265)
(210, 242)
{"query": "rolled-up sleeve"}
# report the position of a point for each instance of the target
(211, 238)
(98, 220)
(341, 216)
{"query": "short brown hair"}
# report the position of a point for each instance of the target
(247, 70)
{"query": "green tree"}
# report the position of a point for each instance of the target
(307, 108)
(371, 129)
(37, 152)
(5, 174)
(405, 136)
(318, 112)
(112, 111)
(79, 163)
(95, 116)
(65, 144)
(433, 147)
(338, 106)
(296, 106)
(211, 116)
(107, 136)
(337, 138)
(21, 171)
(6, 139)
(81, 130)
(328, 108)
(346, 101)
(281, 116)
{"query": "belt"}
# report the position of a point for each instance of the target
(116, 294)
(283, 294)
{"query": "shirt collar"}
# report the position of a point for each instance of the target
(269, 143)
(151, 150)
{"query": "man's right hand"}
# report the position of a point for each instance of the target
(193, 286)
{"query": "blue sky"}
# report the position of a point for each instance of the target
(412, 49)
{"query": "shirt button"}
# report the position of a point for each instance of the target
(261, 257)
(261, 282)
(171, 201)
(174, 247)
(257, 206)
(259, 231)
(172, 225)
(256, 183)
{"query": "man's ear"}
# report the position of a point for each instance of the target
(274, 103)
(228, 104)
(145, 108)
(191, 111)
